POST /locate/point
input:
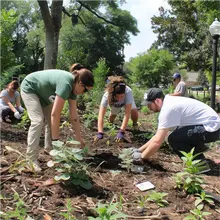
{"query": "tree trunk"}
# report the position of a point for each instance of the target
(52, 22)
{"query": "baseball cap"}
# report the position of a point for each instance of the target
(151, 95)
(176, 75)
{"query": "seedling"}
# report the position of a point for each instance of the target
(126, 157)
(142, 200)
(68, 215)
(197, 214)
(191, 165)
(108, 212)
(203, 198)
(69, 163)
(20, 211)
(158, 198)
(20, 163)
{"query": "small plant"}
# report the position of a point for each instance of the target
(126, 157)
(197, 214)
(203, 198)
(20, 163)
(25, 121)
(90, 118)
(145, 109)
(65, 124)
(142, 200)
(158, 198)
(190, 183)
(108, 212)
(70, 165)
(20, 211)
(68, 215)
(191, 165)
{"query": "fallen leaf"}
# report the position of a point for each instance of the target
(49, 182)
(47, 217)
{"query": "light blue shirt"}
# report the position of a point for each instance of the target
(4, 93)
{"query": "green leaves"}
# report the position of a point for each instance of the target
(158, 198)
(108, 212)
(69, 163)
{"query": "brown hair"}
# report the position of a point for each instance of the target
(82, 74)
(116, 85)
(14, 84)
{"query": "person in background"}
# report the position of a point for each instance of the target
(117, 95)
(192, 123)
(180, 86)
(44, 94)
(10, 103)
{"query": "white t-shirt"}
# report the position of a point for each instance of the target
(128, 99)
(181, 88)
(182, 111)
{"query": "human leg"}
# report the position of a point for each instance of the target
(185, 138)
(134, 116)
(47, 140)
(36, 116)
(113, 113)
(6, 112)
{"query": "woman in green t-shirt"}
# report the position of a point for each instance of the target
(44, 94)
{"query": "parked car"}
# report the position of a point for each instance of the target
(197, 88)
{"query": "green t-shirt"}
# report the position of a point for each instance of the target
(46, 84)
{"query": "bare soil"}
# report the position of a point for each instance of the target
(42, 198)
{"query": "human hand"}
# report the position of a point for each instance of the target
(136, 157)
(98, 137)
(119, 136)
(20, 109)
(17, 115)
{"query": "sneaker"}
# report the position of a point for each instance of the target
(204, 168)
(34, 166)
(48, 149)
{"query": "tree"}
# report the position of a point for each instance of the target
(8, 22)
(120, 19)
(184, 31)
(151, 69)
(96, 38)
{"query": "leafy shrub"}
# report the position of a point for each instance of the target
(69, 163)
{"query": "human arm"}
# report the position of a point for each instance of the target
(154, 143)
(18, 103)
(74, 119)
(55, 116)
(126, 116)
(102, 112)
(7, 102)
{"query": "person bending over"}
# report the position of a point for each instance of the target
(117, 95)
(44, 94)
(192, 123)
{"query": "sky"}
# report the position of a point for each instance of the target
(143, 11)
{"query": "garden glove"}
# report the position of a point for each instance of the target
(20, 109)
(136, 156)
(98, 137)
(134, 149)
(120, 136)
(17, 115)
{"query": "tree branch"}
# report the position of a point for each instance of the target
(89, 9)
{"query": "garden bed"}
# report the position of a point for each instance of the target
(45, 200)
